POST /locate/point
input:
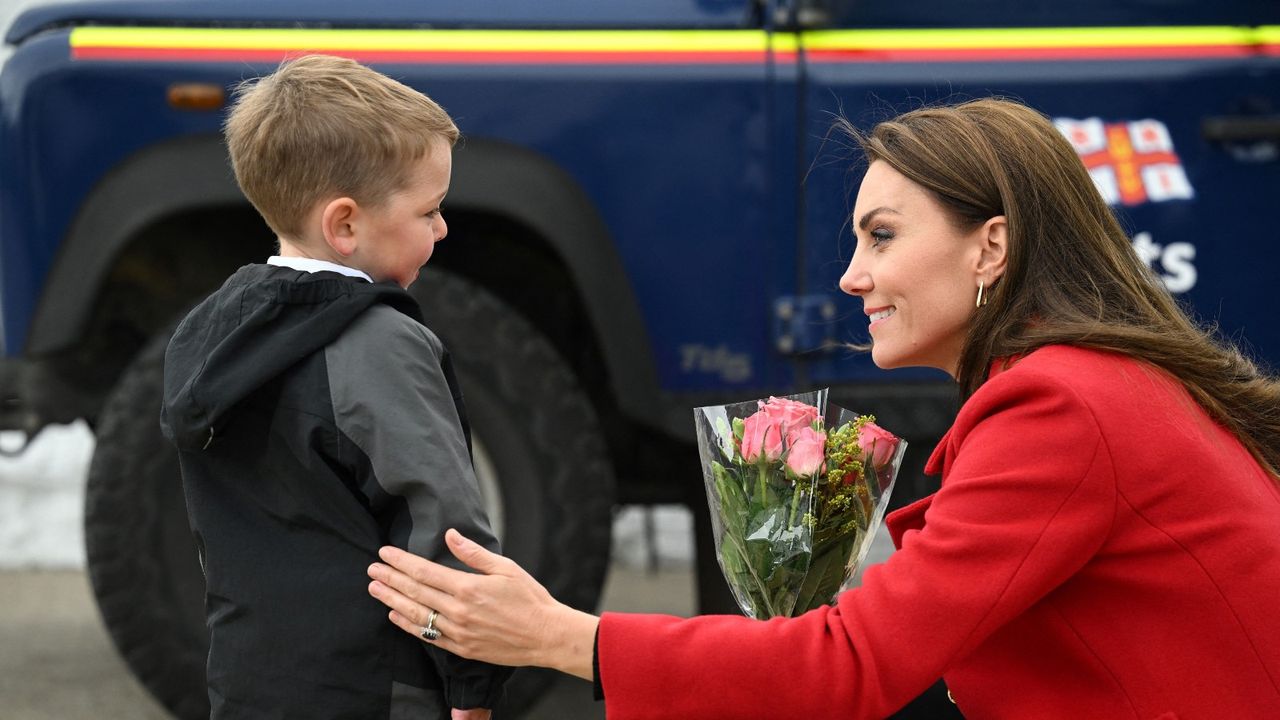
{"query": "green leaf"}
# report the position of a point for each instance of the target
(826, 575)
(729, 491)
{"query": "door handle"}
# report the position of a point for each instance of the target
(1241, 128)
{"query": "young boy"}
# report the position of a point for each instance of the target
(316, 418)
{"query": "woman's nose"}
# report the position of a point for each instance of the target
(856, 280)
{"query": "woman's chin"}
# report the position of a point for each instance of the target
(887, 361)
(882, 359)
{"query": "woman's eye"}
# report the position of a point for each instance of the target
(880, 235)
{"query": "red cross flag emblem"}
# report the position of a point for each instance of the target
(1131, 162)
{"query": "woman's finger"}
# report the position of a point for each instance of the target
(406, 624)
(423, 570)
(476, 556)
(398, 582)
(416, 613)
(443, 642)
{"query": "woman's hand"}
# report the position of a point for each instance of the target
(476, 714)
(501, 615)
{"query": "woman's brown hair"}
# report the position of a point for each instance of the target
(1072, 276)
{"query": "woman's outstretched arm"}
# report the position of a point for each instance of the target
(979, 563)
(499, 614)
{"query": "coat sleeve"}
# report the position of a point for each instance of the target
(393, 400)
(1027, 500)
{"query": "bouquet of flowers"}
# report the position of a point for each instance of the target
(797, 490)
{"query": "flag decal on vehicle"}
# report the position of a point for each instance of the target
(1132, 162)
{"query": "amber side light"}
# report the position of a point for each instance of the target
(197, 96)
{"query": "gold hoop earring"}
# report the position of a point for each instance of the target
(981, 300)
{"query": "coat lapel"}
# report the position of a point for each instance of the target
(911, 517)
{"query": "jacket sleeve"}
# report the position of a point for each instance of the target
(393, 400)
(1027, 500)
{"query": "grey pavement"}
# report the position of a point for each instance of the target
(57, 662)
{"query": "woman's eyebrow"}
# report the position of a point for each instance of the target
(866, 218)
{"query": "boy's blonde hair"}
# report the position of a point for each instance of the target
(321, 127)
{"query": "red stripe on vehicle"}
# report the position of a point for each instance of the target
(852, 55)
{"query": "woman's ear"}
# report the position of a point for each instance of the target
(338, 223)
(993, 256)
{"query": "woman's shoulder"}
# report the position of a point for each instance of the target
(1101, 382)
(1085, 370)
(1067, 361)
(1034, 401)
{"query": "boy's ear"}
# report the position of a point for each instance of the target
(993, 243)
(338, 221)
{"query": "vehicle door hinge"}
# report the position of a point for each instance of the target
(803, 323)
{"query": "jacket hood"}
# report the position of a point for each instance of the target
(262, 321)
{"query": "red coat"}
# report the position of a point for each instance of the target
(1098, 549)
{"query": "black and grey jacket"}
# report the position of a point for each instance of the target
(317, 419)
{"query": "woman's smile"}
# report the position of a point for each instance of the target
(877, 316)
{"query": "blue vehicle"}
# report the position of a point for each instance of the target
(649, 213)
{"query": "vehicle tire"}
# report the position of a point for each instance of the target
(141, 557)
(537, 440)
(533, 421)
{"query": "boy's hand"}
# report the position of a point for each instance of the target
(474, 714)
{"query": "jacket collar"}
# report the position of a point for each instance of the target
(937, 459)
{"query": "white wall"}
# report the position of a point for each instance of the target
(42, 498)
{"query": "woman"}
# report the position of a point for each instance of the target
(1106, 539)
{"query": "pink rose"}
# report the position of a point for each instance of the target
(777, 420)
(760, 435)
(789, 414)
(807, 451)
(878, 445)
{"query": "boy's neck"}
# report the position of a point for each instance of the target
(291, 248)
(319, 251)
